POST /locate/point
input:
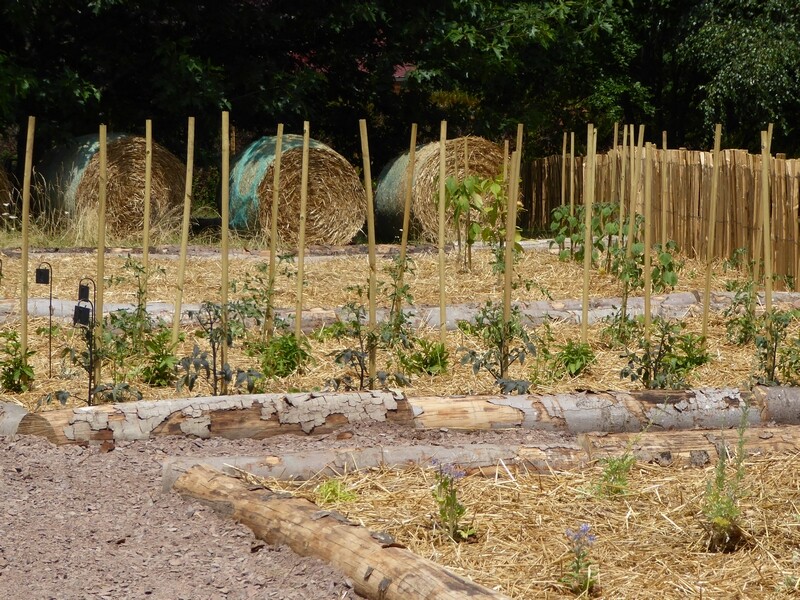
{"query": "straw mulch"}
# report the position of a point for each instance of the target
(125, 192)
(484, 159)
(336, 205)
(327, 283)
(651, 541)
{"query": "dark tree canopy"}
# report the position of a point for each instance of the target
(484, 65)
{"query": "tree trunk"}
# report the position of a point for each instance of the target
(378, 567)
(265, 415)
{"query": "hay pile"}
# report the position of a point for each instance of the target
(336, 203)
(485, 159)
(72, 181)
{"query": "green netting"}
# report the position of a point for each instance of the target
(62, 169)
(248, 172)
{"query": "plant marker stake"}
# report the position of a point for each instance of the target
(766, 171)
(442, 175)
(187, 205)
(636, 174)
(373, 267)
(759, 215)
(712, 225)
(148, 186)
(591, 141)
(26, 211)
(266, 333)
(664, 235)
(225, 198)
(409, 186)
(564, 170)
(101, 248)
(44, 276)
(301, 244)
(468, 248)
(648, 242)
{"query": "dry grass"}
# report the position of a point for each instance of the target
(650, 542)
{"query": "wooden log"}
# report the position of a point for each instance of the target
(683, 448)
(378, 567)
(261, 416)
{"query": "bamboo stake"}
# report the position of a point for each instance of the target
(505, 161)
(442, 176)
(511, 231)
(758, 216)
(101, 250)
(664, 238)
(635, 174)
(148, 186)
(409, 187)
(518, 147)
(373, 269)
(712, 225)
(266, 333)
(622, 182)
(648, 203)
(766, 149)
(301, 244)
(564, 170)
(225, 196)
(591, 141)
(614, 163)
(571, 173)
(26, 211)
(468, 215)
(187, 205)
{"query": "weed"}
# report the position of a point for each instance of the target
(620, 330)
(741, 323)
(451, 511)
(282, 355)
(192, 366)
(115, 393)
(581, 579)
(723, 493)
(332, 491)
(431, 358)
(161, 360)
(16, 374)
(769, 341)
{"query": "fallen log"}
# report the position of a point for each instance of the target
(261, 416)
(695, 448)
(378, 567)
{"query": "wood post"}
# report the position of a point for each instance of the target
(266, 333)
(712, 224)
(187, 207)
(441, 236)
(225, 197)
(588, 241)
(101, 254)
(648, 227)
(148, 185)
(26, 212)
(301, 243)
(373, 267)
(408, 189)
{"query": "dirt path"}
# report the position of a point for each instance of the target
(81, 523)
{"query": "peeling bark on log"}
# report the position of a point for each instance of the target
(378, 567)
(266, 415)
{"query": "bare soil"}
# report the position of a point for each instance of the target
(82, 523)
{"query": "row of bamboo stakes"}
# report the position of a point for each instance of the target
(512, 181)
(681, 189)
(643, 157)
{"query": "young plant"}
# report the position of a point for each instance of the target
(16, 373)
(504, 344)
(614, 478)
(620, 330)
(667, 359)
(282, 355)
(582, 576)
(161, 362)
(575, 357)
(332, 491)
(723, 493)
(428, 358)
(115, 393)
(741, 323)
(769, 341)
(451, 511)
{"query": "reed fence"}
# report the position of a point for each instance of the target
(687, 196)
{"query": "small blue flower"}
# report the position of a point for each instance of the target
(581, 538)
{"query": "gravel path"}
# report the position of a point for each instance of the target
(86, 524)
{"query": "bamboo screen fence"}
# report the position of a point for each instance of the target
(687, 196)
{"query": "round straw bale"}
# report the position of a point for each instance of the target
(336, 201)
(72, 180)
(485, 159)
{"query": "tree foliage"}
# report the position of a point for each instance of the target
(484, 65)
